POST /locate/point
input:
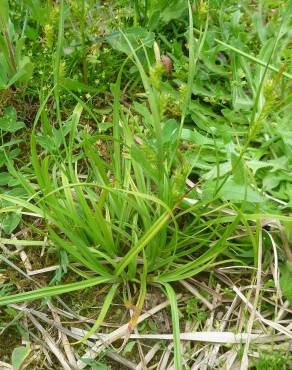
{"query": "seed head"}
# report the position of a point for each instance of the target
(167, 62)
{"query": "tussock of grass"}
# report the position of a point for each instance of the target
(164, 194)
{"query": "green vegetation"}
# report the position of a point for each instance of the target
(146, 156)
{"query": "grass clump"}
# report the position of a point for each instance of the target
(175, 182)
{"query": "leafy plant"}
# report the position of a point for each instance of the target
(14, 66)
(168, 174)
(125, 211)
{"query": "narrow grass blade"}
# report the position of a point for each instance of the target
(252, 58)
(105, 307)
(193, 267)
(52, 291)
(147, 237)
(175, 326)
(30, 243)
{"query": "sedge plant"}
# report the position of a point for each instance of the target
(123, 220)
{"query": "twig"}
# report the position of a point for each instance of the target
(50, 342)
(65, 342)
(244, 361)
(149, 356)
(100, 345)
(197, 294)
(224, 337)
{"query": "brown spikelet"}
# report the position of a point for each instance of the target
(167, 62)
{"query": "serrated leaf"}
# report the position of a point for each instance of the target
(136, 36)
(9, 222)
(239, 192)
(195, 137)
(144, 111)
(271, 181)
(170, 131)
(9, 123)
(12, 154)
(173, 10)
(233, 192)
(23, 73)
(78, 86)
(5, 178)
